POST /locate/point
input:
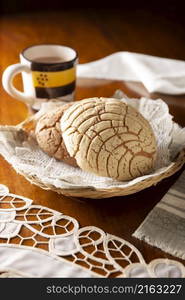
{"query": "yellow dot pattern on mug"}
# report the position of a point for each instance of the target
(53, 79)
(42, 79)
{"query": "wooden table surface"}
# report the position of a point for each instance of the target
(94, 35)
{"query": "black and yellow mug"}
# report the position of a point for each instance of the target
(48, 72)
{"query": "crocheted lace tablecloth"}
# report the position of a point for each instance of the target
(36, 241)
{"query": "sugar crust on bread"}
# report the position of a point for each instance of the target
(109, 138)
(49, 137)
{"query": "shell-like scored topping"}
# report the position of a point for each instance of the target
(109, 138)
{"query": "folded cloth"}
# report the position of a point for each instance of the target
(157, 74)
(164, 227)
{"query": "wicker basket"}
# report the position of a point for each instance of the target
(112, 192)
(97, 193)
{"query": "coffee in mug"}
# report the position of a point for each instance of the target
(48, 72)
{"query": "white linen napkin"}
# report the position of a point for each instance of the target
(164, 227)
(157, 74)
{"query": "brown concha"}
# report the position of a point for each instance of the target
(49, 137)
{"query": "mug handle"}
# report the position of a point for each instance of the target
(7, 81)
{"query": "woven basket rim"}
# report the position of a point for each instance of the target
(95, 193)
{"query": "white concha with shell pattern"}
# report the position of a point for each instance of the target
(109, 138)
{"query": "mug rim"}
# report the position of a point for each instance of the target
(49, 63)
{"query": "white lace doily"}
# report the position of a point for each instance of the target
(28, 159)
(36, 241)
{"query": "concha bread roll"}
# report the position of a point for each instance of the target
(49, 137)
(109, 138)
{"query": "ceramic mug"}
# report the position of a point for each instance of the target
(48, 72)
